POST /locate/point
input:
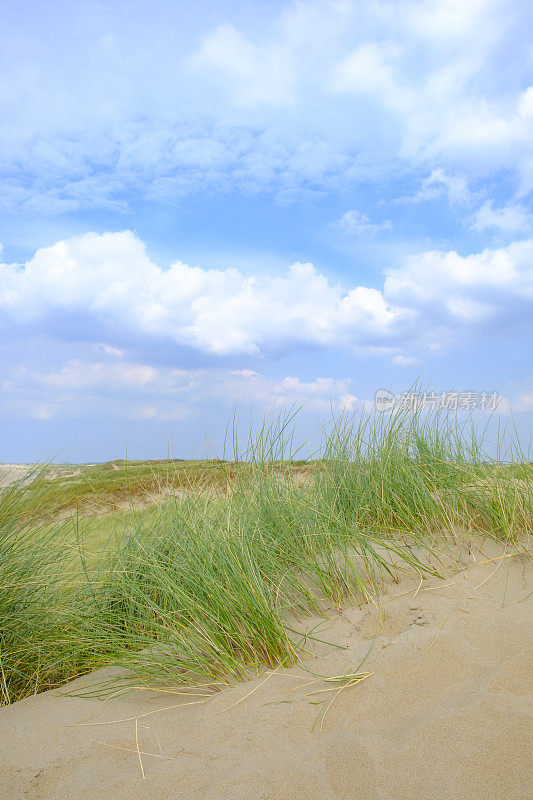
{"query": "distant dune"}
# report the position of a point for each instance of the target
(11, 473)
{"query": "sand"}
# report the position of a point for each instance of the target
(445, 714)
(11, 473)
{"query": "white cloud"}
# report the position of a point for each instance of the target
(110, 278)
(83, 375)
(371, 69)
(246, 373)
(466, 286)
(439, 183)
(41, 411)
(432, 87)
(321, 91)
(142, 391)
(108, 350)
(512, 218)
(524, 401)
(110, 289)
(404, 361)
(252, 73)
(353, 222)
(348, 402)
(162, 412)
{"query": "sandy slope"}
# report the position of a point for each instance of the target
(445, 714)
(11, 473)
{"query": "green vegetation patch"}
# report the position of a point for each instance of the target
(206, 585)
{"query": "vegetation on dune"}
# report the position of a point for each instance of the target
(38, 602)
(208, 585)
(104, 487)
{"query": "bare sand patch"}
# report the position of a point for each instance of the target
(445, 715)
(11, 473)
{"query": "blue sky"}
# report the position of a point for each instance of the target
(264, 202)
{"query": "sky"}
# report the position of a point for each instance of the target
(211, 205)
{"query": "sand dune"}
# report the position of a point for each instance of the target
(445, 714)
(11, 473)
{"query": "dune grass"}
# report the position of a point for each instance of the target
(210, 585)
(36, 598)
(114, 484)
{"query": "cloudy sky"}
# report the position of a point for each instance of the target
(209, 202)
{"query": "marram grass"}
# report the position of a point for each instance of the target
(37, 601)
(205, 588)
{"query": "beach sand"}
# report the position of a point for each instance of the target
(445, 714)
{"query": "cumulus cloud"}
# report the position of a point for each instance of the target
(466, 289)
(109, 280)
